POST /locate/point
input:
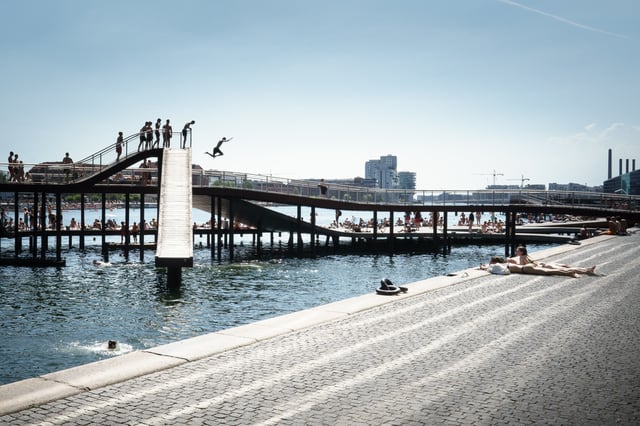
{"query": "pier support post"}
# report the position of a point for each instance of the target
(436, 238)
(231, 231)
(375, 225)
(105, 249)
(17, 245)
(43, 226)
(174, 276)
(299, 230)
(219, 228)
(210, 236)
(141, 227)
(445, 237)
(58, 226)
(391, 235)
(510, 234)
(313, 230)
(34, 226)
(82, 221)
(127, 235)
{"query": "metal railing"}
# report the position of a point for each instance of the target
(412, 198)
(63, 173)
(59, 173)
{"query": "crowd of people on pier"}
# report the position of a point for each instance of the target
(16, 169)
(149, 138)
(414, 221)
(29, 220)
(150, 130)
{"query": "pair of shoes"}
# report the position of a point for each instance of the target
(389, 283)
(387, 288)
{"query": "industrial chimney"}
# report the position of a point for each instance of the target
(620, 166)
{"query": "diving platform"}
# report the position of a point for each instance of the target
(175, 232)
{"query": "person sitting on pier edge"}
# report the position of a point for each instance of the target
(498, 265)
(67, 160)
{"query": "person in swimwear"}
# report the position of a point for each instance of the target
(538, 269)
(522, 258)
(216, 149)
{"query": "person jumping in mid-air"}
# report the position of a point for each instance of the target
(216, 149)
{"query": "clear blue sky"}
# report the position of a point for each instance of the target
(454, 88)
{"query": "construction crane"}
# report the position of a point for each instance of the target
(494, 174)
(522, 180)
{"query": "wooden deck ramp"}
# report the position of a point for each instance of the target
(175, 232)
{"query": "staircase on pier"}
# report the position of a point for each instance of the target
(175, 232)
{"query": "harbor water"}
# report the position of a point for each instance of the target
(57, 318)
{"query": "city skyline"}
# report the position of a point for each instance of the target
(535, 89)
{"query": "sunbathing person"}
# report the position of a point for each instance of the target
(522, 258)
(498, 265)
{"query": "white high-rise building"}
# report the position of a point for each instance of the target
(384, 171)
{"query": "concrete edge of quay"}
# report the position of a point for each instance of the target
(39, 390)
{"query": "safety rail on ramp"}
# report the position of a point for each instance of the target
(175, 232)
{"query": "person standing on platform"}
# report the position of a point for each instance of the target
(143, 136)
(471, 217)
(144, 174)
(157, 132)
(134, 232)
(167, 132)
(119, 146)
(10, 161)
(15, 169)
(149, 134)
(124, 232)
(185, 130)
(323, 187)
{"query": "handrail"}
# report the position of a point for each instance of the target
(412, 198)
(111, 149)
(56, 173)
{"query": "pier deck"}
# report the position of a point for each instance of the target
(464, 349)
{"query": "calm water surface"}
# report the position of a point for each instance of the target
(52, 319)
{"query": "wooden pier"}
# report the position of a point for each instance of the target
(242, 205)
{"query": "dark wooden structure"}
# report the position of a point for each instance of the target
(242, 205)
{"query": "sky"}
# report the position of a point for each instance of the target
(461, 91)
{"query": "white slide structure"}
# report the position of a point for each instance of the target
(175, 232)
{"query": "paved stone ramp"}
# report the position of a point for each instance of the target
(486, 349)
